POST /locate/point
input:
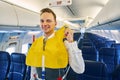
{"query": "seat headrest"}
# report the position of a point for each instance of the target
(89, 50)
(18, 57)
(116, 45)
(4, 55)
(107, 51)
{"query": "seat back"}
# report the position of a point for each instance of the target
(28, 73)
(71, 75)
(17, 67)
(90, 53)
(116, 73)
(76, 36)
(117, 47)
(93, 71)
(4, 64)
(109, 43)
(87, 44)
(107, 56)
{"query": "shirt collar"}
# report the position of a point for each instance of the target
(50, 35)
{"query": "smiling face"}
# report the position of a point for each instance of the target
(48, 23)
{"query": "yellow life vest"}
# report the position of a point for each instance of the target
(55, 52)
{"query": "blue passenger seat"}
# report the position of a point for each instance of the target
(93, 71)
(108, 56)
(117, 47)
(109, 43)
(17, 67)
(90, 53)
(28, 73)
(4, 64)
(87, 44)
(71, 75)
(76, 36)
(116, 73)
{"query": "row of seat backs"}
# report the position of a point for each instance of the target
(91, 53)
(93, 71)
(109, 56)
(100, 41)
(97, 42)
(104, 53)
(106, 44)
(103, 42)
(12, 66)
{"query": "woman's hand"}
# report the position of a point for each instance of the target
(69, 35)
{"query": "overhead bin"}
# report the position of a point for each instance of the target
(7, 14)
(17, 16)
(26, 17)
(109, 14)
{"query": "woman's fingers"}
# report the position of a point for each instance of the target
(69, 34)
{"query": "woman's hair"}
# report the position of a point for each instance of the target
(49, 11)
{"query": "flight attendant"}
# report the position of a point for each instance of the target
(49, 54)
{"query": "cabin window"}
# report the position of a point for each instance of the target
(10, 50)
(25, 48)
(11, 47)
